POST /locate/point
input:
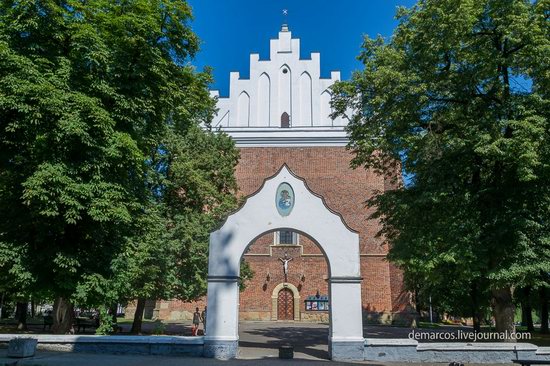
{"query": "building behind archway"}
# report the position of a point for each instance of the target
(281, 115)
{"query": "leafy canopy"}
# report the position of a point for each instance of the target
(99, 139)
(459, 96)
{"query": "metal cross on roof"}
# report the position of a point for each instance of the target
(285, 12)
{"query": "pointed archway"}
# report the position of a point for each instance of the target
(285, 202)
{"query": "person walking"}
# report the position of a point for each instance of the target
(203, 318)
(196, 322)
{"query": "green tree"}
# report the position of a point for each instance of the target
(196, 188)
(459, 96)
(89, 91)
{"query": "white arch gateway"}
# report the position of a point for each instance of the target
(285, 202)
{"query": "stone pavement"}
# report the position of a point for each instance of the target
(85, 359)
(259, 343)
(263, 339)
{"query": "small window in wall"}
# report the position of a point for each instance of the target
(285, 120)
(286, 237)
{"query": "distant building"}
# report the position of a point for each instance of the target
(281, 115)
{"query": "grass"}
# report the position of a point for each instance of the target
(428, 325)
(541, 340)
(13, 322)
(130, 321)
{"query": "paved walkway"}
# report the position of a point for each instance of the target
(84, 359)
(263, 339)
(259, 343)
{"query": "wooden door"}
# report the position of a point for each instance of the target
(285, 305)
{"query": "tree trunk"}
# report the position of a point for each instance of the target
(138, 316)
(417, 303)
(503, 311)
(113, 310)
(114, 319)
(21, 315)
(544, 310)
(527, 316)
(527, 310)
(63, 316)
(477, 318)
(476, 311)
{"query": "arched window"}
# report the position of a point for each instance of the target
(285, 120)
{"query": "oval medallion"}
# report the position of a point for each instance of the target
(284, 199)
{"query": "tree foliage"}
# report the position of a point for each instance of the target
(108, 186)
(459, 96)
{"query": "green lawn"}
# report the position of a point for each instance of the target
(537, 338)
(130, 321)
(30, 321)
(428, 325)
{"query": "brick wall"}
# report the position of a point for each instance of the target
(307, 271)
(327, 173)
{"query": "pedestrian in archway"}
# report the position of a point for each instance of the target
(203, 318)
(196, 322)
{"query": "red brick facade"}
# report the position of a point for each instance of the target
(327, 173)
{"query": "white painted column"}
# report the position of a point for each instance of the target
(346, 340)
(222, 319)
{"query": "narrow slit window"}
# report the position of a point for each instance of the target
(285, 120)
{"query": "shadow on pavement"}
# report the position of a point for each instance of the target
(309, 341)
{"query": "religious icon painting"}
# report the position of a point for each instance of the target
(284, 199)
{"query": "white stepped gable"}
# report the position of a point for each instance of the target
(285, 102)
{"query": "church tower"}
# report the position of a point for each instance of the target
(281, 115)
(284, 102)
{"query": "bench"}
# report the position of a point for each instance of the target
(48, 322)
(82, 323)
(531, 362)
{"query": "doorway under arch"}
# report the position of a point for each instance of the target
(279, 297)
(284, 202)
(285, 305)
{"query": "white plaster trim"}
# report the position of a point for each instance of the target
(390, 342)
(373, 255)
(298, 245)
(346, 339)
(221, 338)
(271, 246)
(313, 255)
(475, 346)
(302, 254)
(310, 216)
(288, 137)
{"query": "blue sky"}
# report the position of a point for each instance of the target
(232, 29)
